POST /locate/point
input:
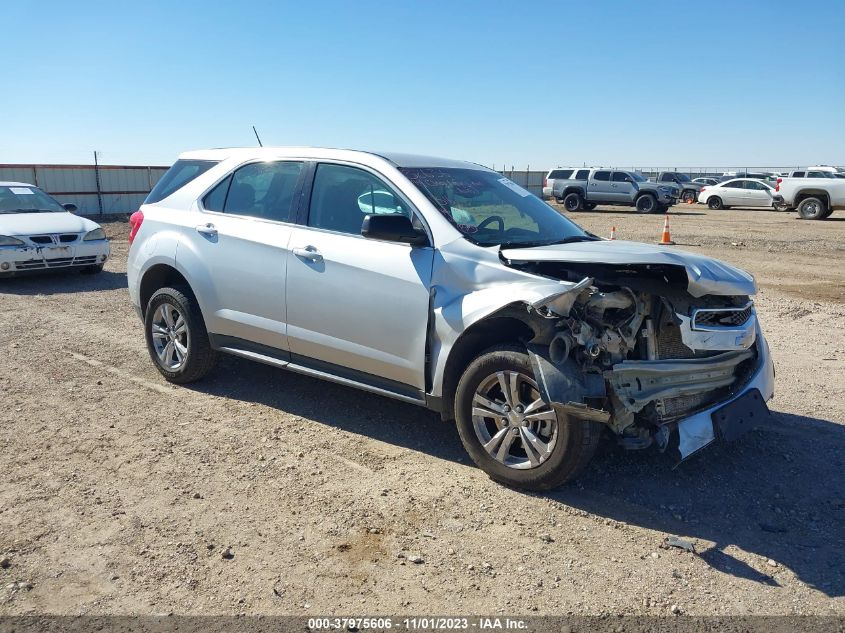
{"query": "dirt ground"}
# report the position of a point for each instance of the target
(264, 492)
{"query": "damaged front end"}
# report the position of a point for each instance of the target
(631, 348)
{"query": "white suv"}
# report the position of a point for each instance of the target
(442, 283)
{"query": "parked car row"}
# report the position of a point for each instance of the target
(815, 197)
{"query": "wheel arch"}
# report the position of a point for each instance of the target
(511, 324)
(802, 195)
(160, 276)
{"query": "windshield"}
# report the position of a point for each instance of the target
(638, 177)
(682, 177)
(26, 199)
(489, 209)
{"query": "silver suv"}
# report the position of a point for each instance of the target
(444, 284)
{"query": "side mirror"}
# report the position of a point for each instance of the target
(393, 227)
(70, 207)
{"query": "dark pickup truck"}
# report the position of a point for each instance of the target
(614, 187)
(689, 189)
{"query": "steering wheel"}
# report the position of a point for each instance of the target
(493, 218)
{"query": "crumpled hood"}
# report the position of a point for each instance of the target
(705, 275)
(35, 223)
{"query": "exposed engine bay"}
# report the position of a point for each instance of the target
(628, 346)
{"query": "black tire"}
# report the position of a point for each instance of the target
(92, 270)
(688, 196)
(647, 203)
(559, 200)
(573, 202)
(576, 439)
(812, 209)
(715, 203)
(827, 214)
(200, 358)
(589, 206)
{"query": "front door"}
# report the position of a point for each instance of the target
(241, 243)
(622, 187)
(359, 305)
(759, 195)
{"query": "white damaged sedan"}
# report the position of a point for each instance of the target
(38, 233)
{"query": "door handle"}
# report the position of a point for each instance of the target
(207, 229)
(309, 252)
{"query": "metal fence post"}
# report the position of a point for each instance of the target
(97, 181)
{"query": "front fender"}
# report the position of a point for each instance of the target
(468, 287)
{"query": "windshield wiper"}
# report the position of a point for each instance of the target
(566, 240)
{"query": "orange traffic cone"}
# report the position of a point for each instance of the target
(667, 239)
(613, 233)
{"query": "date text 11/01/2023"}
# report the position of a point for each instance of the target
(417, 623)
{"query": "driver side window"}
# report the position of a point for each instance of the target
(341, 196)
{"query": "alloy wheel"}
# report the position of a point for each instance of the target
(170, 336)
(514, 424)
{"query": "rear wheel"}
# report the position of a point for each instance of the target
(812, 209)
(176, 336)
(573, 202)
(646, 203)
(510, 432)
(715, 203)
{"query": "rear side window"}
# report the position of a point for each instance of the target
(582, 174)
(258, 190)
(798, 174)
(180, 174)
(561, 173)
(601, 175)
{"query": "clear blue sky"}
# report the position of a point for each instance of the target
(637, 83)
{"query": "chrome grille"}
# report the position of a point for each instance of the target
(721, 317)
(56, 262)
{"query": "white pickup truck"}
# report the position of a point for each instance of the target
(814, 198)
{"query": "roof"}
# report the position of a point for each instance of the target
(398, 159)
(9, 183)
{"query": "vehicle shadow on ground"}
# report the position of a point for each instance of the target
(777, 493)
(62, 282)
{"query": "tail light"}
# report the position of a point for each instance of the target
(702, 190)
(545, 182)
(777, 184)
(135, 221)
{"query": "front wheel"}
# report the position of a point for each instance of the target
(510, 432)
(689, 196)
(646, 203)
(176, 336)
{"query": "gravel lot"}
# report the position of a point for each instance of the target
(261, 491)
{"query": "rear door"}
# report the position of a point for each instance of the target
(240, 243)
(357, 307)
(599, 189)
